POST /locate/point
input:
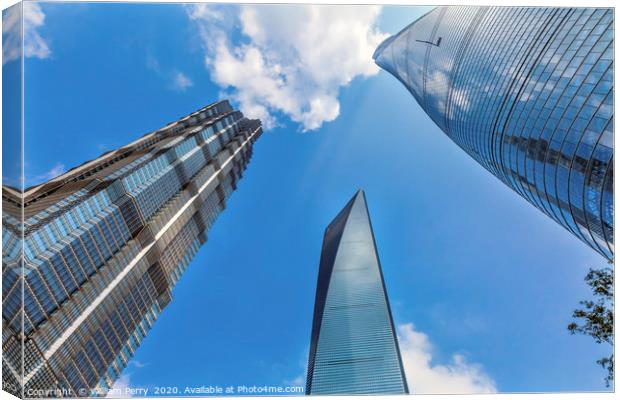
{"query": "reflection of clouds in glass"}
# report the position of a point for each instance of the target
(357, 257)
(427, 69)
(33, 44)
(353, 346)
(356, 250)
(533, 107)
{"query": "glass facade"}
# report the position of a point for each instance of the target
(353, 347)
(103, 246)
(528, 93)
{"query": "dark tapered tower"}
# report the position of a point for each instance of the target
(353, 348)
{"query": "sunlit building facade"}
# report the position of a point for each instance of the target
(528, 93)
(103, 246)
(353, 349)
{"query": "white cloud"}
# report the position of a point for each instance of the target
(153, 64)
(55, 171)
(204, 11)
(425, 377)
(121, 388)
(33, 43)
(293, 59)
(177, 80)
(11, 34)
(137, 364)
(300, 380)
(181, 81)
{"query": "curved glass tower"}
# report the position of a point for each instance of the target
(353, 347)
(528, 93)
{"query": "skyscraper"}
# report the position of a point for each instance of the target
(103, 246)
(528, 93)
(353, 347)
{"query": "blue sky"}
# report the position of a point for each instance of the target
(482, 284)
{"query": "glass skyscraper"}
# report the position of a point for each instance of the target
(353, 347)
(103, 246)
(528, 93)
